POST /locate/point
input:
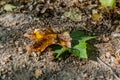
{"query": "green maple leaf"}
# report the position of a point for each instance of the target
(79, 45)
(79, 49)
(59, 52)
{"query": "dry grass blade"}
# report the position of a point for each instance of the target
(109, 67)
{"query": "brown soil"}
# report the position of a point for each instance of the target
(16, 64)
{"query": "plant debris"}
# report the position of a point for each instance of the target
(78, 45)
(106, 3)
(9, 7)
(83, 15)
(45, 37)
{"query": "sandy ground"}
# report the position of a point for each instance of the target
(16, 64)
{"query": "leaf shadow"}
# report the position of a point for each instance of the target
(92, 51)
(74, 42)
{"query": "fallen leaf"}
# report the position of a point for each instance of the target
(43, 38)
(43, 44)
(106, 3)
(65, 39)
(47, 41)
(78, 47)
(36, 35)
(59, 50)
(39, 34)
(9, 7)
(74, 14)
(79, 44)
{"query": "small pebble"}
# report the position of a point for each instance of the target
(20, 49)
(85, 75)
(117, 61)
(108, 55)
(115, 34)
(1, 46)
(38, 73)
(6, 59)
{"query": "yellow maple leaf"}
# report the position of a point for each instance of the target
(45, 38)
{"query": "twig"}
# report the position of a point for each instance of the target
(46, 6)
(109, 67)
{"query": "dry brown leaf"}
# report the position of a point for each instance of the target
(44, 38)
(36, 35)
(49, 40)
(65, 39)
